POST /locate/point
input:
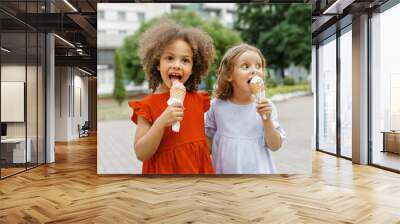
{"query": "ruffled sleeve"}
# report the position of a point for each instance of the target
(206, 100)
(140, 109)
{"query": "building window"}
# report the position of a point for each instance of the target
(346, 94)
(213, 13)
(177, 8)
(101, 15)
(327, 95)
(385, 88)
(105, 57)
(102, 77)
(121, 15)
(141, 17)
(230, 18)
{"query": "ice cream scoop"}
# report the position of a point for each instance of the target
(257, 88)
(177, 94)
(257, 84)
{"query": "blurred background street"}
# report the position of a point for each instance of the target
(283, 37)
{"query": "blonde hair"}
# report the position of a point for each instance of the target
(224, 89)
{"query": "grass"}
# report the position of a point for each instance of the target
(108, 109)
(288, 89)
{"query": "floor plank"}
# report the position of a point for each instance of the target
(70, 191)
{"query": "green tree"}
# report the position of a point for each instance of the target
(223, 38)
(281, 31)
(119, 93)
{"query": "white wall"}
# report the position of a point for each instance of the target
(80, 100)
(71, 88)
(61, 103)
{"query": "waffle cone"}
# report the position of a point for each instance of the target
(177, 93)
(256, 87)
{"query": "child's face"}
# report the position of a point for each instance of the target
(247, 65)
(176, 62)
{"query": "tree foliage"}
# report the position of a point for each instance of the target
(223, 39)
(119, 93)
(281, 31)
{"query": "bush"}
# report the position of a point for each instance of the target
(288, 81)
(271, 82)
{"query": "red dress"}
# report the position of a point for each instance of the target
(185, 152)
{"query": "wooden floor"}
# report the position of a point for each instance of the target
(70, 191)
(388, 159)
(10, 171)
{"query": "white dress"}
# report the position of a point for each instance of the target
(237, 134)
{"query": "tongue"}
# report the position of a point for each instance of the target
(174, 79)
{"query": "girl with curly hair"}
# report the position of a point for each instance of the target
(241, 139)
(172, 53)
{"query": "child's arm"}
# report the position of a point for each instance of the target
(148, 137)
(209, 143)
(210, 126)
(271, 135)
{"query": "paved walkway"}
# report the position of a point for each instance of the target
(115, 154)
(296, 117)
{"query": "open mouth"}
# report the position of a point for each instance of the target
(248, 81)
(174, 76)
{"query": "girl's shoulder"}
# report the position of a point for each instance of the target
(215, 103)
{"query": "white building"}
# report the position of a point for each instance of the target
(115, 21)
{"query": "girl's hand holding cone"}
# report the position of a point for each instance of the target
(264, 108)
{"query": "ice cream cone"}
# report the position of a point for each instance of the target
(177, 94)
(257, 88)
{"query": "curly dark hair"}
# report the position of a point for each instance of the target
(155, 39)
(224, 89)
